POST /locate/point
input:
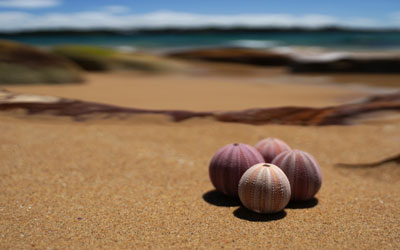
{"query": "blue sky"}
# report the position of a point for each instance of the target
(25, 14)
(366, 8)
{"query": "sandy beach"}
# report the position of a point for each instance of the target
(142, 182)
(112, 111)
(215, 90)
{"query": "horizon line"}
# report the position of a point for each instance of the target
(205, 28)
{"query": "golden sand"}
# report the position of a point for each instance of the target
(199, 92)
(142, 182)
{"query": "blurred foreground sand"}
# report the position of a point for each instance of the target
(139, 183)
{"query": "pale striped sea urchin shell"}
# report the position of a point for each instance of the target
(229, 164)
(303, 172)
(271, 147)
(264, 188)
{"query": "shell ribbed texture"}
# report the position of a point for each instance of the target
(229, 164)
(271, 147)
(303, 172)
(264, 188)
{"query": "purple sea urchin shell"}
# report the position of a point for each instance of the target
(271, 147)
(264, 188)
(303, 172)
(229, 164)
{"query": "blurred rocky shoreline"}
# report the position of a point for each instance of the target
(20, 63)
(301, 60)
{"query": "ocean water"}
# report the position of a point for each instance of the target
(343, 40)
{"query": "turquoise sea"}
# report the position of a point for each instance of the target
(164, 40)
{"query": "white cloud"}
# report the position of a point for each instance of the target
(116, 17)
(363, 22)
(396, 17)
(29, 4)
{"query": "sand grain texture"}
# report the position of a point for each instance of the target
(139, 183)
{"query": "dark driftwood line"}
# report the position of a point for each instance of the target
(335, 115)
(395, 159)
(306, 116)
(79, 110)
(345, 63)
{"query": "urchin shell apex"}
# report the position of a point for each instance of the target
(264, 188)
(303, 172)
(229, 164)
(271, 147)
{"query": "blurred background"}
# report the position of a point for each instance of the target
(54, 41)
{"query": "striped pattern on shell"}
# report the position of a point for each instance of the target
(229, 164)
(264, 188)
(303, 172)
(271, 147)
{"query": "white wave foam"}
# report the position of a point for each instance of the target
(254, 44)
(324, 57)
(312, 53)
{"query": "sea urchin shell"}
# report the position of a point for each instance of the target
(229, 164)
(271, 147)
(264, 188)
(302, 171)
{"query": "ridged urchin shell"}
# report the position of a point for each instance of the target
(264, 188)
(271, 147)
(229, 164)
(303, 172)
